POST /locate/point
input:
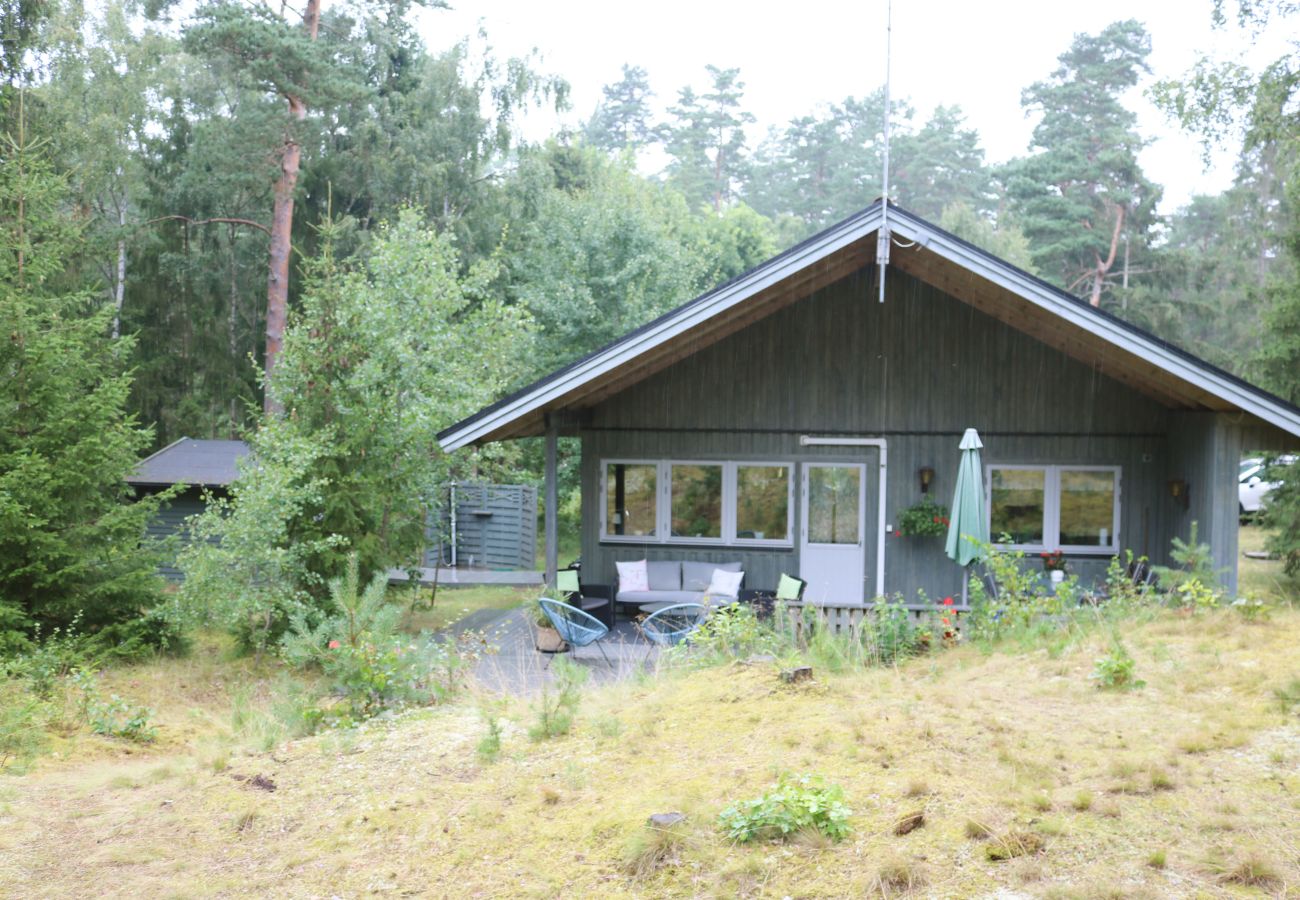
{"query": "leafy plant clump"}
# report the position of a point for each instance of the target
(794, 805)
(113, 717)
(1116, 670)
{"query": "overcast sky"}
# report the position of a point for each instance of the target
(795, 56)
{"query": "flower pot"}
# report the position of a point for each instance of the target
(548, 640)
(1057, 576)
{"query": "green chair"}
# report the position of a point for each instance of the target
(571, 592)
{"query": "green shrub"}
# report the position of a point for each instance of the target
(371, 664)
(731, 632)
(1115, 671)
(558, 703)
(113, 717)
(1195, 563)
(795, 804)
(22, 732)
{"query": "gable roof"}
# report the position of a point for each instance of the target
(194, 462)
(1113, 346)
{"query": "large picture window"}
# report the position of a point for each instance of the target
(696, 500)
(689, 501)
(1071, 508)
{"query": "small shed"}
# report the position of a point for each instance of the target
(486, 526)
(202, 466)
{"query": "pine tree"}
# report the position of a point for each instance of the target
(622, 121)
(1083, 191)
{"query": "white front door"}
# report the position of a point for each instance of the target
(832, 554)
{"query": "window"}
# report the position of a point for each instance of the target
(833, 495)
(696, 501)
(704, 502)
(630, 499)
(762, 503)
(1072, 508)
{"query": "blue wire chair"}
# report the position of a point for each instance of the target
(576, 628)
(673, 624)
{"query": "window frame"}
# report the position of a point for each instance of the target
(604, 501)
(1052, 508)
(663, 503)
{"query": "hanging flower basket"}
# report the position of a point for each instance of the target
(925, 519)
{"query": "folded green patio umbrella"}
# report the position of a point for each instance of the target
(968, 527)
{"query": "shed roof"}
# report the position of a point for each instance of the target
(1111, 345)
(189, 461)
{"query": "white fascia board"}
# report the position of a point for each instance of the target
(667, 329)
(1009, 278)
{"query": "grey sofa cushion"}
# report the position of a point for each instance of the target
(640, 597)
(697, 575)
(665, 576)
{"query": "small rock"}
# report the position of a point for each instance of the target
(796, 675)
(909, 823)
(666, 820)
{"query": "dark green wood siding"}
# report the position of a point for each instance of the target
(917, 370)
(170, 523)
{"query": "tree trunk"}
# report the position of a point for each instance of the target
(1103, 266)
(119, 287)
(277, 282)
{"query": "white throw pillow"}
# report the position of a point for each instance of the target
(633, 576)
(725, 584)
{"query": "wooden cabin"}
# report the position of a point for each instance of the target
(203, 466)
(788, 417)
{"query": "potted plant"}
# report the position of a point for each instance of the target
(925, 519)
(1054, 564)
(545, 637)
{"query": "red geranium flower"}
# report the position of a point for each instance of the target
(334, 645)
(947, 601)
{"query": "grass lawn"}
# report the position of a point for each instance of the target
(1186, 787)
(1260, 577)
(454, 603)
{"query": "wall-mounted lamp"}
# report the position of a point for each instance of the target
(1178, 489)
(927, 475)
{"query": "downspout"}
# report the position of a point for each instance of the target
(453, 524)
(808, 440)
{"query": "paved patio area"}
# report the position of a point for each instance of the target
(518, 668)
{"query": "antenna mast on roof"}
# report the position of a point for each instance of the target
(882, 237)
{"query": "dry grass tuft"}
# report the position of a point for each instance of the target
(977, 831)
(918, 787)
(898, 876)
(1082, 801)
(651, 849)
(1157, 859)
(1250, 870)
(1011, 844)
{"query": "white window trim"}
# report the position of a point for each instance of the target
(733, 507)
(666, 503)
(663, 503)
(1052, 508)
(604, 502)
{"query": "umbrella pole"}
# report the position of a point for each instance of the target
(965, 583)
